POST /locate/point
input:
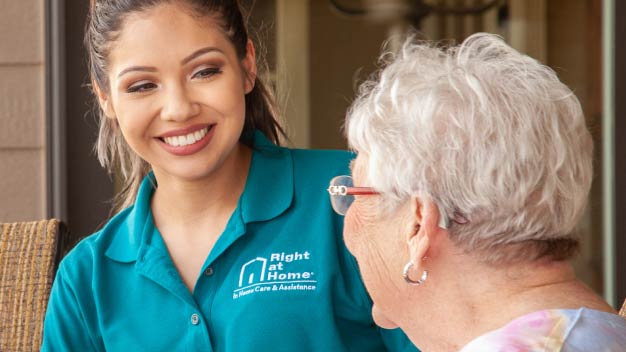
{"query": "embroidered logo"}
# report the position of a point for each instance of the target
(275, 273)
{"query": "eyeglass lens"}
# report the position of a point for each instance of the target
(341, 203)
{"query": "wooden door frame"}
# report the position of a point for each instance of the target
(56, 199)
(618, 121)
(78, 189)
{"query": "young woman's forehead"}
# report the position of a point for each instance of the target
(168, 17)
(167, 32)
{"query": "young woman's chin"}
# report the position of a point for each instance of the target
(189, 170)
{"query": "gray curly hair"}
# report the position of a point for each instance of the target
(483, 131)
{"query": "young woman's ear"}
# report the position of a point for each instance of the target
(104, 101)
(249, 66)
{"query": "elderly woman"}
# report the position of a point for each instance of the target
(473, 169)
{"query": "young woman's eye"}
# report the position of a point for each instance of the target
(141, 87)
(206, 73)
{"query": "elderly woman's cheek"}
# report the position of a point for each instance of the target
(350, 232)
(357, 230)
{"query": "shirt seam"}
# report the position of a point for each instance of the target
(571, 326)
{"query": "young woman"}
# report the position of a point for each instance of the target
(228, 242)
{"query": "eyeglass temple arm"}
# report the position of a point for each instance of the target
(350, 191)
(444, 221)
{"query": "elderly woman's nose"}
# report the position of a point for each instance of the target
(179, 105)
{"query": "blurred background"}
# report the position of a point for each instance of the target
(316, 53)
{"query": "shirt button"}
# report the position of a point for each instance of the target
(208, 271)
(195, 319)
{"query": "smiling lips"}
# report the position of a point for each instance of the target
(191, 138)
(187, 142)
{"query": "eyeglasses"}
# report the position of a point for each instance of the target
(342, 192)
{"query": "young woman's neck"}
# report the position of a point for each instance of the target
(476, 298)
(207, 198)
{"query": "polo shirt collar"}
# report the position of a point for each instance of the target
(270, 186)
(130, 233)
(268, 193)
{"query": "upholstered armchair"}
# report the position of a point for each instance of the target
(29, 255)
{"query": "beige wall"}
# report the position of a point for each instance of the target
(574, 51)
(22, 110)
(342, 51)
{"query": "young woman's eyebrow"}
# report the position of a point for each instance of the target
(184, 61)
(200, 52)
(135, 69)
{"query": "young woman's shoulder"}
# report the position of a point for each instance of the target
(91, 249)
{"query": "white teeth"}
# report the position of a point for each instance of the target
(191, 138)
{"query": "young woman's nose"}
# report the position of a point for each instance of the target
(178, 105)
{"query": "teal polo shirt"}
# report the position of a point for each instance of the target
(279, 278)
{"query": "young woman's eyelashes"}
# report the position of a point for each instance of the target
(206, 72)
(146, 86)
(141, 87)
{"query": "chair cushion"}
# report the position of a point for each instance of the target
(27, 266)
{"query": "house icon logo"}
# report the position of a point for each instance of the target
(253, 272)
(280, 272)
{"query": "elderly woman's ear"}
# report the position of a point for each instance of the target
(425, 215)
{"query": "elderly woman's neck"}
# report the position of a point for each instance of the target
(481, 298)
(518, 279)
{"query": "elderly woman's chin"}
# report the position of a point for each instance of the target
(380, 318)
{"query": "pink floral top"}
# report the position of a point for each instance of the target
(565, 330)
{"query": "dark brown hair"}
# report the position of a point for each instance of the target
(104, 23)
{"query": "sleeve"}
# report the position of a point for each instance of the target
(65, 327)
(395, 340)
